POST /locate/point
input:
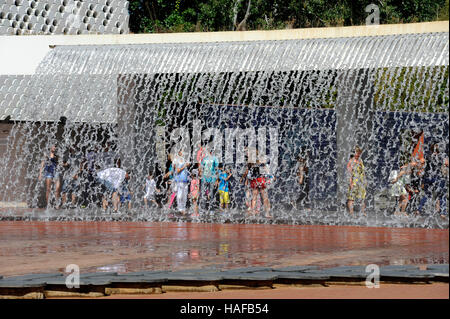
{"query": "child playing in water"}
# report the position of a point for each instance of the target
(172, 184)
(248, 191)
(195, 192)
(125, 193)
(150, 189)
(224, 176)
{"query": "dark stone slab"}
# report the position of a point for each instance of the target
(400, 268)
(20, 284)
(405, 275)
(35, 276)
(83, 282)
(437, 275)
(194, 277)
(262, 275)
(98, 281)
(348, 275)
(442, 268)
(341, 269)
(249, 269)
(97, 274)
(300, 275)
(295, 268)
(144, 273)
(136, 279)
(155, 277)
(197, 270)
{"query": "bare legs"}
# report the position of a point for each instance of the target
(403, 202)
(265, 198)
(255, 193)
(48, 187)
(115, 202)
(64, 198)
(350, 207)
(195, 204)
(48, 184)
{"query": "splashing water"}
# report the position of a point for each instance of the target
(297, 107)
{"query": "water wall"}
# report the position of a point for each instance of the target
(317, 98)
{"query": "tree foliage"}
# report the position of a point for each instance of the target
(147, 16)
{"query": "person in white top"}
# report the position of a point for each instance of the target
(181, 178)
(150, 189)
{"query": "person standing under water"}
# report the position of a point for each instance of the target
(172, 187)
(245, 179)
(357, 182)
(49, 167)
(181, 179)
(195, 192)
(303, 181)
(433, 180)
(258, 185)
(223, 186)
(208, 174)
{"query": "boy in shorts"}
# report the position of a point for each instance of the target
(208, 174)
(125, 194)
(224, 191)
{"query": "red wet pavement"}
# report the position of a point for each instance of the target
(36, 247)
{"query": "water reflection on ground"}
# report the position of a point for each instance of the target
(27, 247)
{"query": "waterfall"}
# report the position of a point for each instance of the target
(314, 98)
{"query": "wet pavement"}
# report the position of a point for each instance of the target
(285, 217)
(38, 247)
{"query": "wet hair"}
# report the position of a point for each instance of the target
(358, 150)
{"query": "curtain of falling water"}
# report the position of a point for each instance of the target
(319, 98)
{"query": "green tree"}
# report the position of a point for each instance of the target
(227, 15)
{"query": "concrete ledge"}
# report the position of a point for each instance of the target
(175, 288)
(246, 284)
(300, 282)
(22, 292)
(312, 285)
(31, 295)
(133, 291)
(38, 286)
(345, 283)
(236, 36)
(58, 293)
(240, 287)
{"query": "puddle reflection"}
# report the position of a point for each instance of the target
(133, 246)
